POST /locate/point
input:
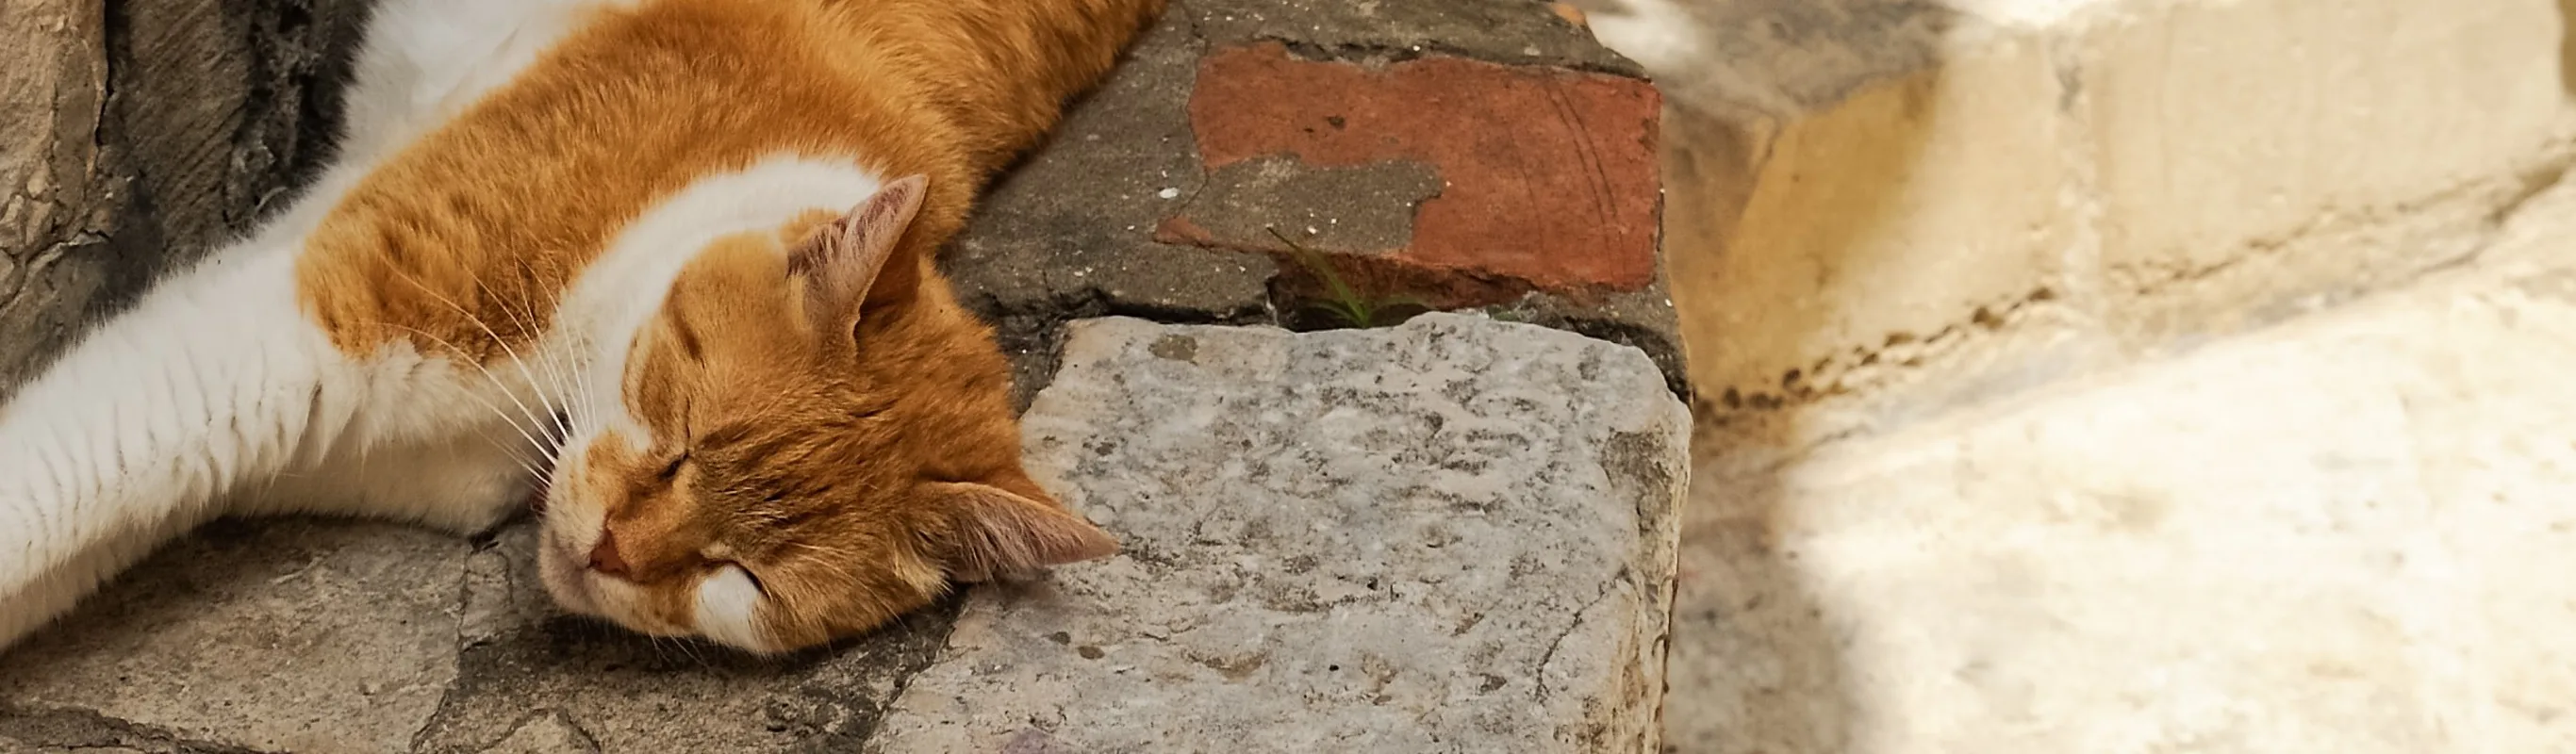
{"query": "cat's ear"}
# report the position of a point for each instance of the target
(855, 262)
(995, 533)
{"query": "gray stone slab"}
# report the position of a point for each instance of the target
(1454, 535)
(290, 635)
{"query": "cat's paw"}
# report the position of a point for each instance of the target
(478, 507)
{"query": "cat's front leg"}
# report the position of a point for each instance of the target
(468, 484)
(213, 380)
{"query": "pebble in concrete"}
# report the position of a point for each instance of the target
(1452, 535)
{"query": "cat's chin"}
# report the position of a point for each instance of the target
(561, 572)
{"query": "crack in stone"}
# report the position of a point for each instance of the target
(867, 733)
(1371, 54)
(464, 608)
(76, 727)
(1540, 687)
(2528, 185)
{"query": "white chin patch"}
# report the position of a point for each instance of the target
(727, 601)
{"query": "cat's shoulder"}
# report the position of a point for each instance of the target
(423, 61)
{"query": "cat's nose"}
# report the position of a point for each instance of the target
(604, 558)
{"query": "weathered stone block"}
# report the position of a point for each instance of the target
(1542, 178)
(1831, 251)
(1886, 209)
(1121, 215)
(2245, 151)
(1455, 534)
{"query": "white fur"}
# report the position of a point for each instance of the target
(728, 609)
(215, 395)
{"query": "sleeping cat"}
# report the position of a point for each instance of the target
(663, 266)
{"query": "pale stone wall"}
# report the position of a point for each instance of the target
(54, 204)
(1880, 209)
(2120, 375)
(138, 135)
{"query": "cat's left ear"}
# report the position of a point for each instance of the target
(995, 533)
(855, 262)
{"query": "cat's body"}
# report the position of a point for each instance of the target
(612, 245)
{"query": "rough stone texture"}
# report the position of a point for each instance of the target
(1074, 233)
(2349, 533)
(139, 143)
(1544, 178)
(1070, 234)
(53, 85)
(292, 636)
(1452, 535)
(1883, 209)
(1512, 32)
(545, 733)
(318, 637)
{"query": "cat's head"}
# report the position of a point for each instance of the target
(810, 441)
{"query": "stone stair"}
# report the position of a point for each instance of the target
(2120, 375)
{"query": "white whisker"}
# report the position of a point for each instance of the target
(504, 343)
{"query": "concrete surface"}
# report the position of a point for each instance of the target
(291, 637)
(2350, 533)
(1451, 535)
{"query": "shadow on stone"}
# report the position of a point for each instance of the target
(619, 691)
(1783, 172)
(2567, 45)
(325, 636)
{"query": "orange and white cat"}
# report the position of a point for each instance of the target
(665, 264)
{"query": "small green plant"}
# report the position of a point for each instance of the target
(1344, 302)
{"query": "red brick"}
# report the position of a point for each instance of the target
(1549, 175)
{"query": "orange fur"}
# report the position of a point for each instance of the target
(853, 464)
(487, 219)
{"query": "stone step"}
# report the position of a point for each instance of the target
(1880, 210)
(2350, 533)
